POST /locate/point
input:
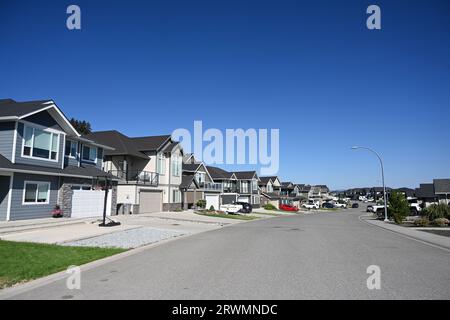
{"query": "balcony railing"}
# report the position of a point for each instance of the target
(210, 186)
(137, 176)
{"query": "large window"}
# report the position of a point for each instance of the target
(71, 149)
(269, 188)
(176, 165)
(38, 143)
(176, 196)
(89, 154)
(200, 177)
(36, 192)
(161, 164)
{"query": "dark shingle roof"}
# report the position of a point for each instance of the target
(187, 180)
(441, 186)
(426, 190)
(122, 144)
(87, 171)
(271, 195)
(152, 143)
(218, 173)
(407, 191)
(191, 166)
(245, 174)
(11, 108)
(264, 180)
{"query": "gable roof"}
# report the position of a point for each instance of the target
(218, 173)
(441, 186)
(245, 175)
(122, 144)
(150, 143)
(13, 110)
(265, 180)
(191, 167)
(187, 180)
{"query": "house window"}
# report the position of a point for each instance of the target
(176, 196)
(161, 164)
(200, 177)
(244, 187)
(41, 144)
(176, 165)
(71, 149)
(254, 185)
(36, 192)
(90, 154)
(269, 188)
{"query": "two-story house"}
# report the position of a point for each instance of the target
(45, 162)
(228, 181)
(149, 171)
(248, 187)
(270, 190)
(197, 184)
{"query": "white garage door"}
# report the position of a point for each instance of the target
(212, 200)
(90, 203)
(150, 201)
(244, 199)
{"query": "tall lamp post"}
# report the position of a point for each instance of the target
(382, 178)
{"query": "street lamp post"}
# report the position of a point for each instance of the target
(382, 178)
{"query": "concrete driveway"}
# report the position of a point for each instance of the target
(320, 256)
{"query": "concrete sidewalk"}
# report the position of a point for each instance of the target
(411, 232)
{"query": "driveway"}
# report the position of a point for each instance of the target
(319, 256)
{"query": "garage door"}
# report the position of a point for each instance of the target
(212, 200)
(90, 203)
(150, 201)
(244, 199)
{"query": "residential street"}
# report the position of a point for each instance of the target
(316, 256)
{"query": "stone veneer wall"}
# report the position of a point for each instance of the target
(171, 206)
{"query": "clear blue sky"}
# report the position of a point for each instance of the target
(311, 69)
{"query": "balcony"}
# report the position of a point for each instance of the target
(137, 177)
(210, 186)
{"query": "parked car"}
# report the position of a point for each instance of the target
(328, 205)
(288, 207)
(246, 207)
(311, 205)
(231, 208)
(340, 205)
(355, 205)
(414, 206)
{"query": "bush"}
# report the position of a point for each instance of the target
(270, 206)
(398, 206)
(201, 204)
(436, 211)
(422, 222)
(441, 222)
(212, 208)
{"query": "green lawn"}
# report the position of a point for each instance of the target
(226, 216)
(23, 261)
(267, 213)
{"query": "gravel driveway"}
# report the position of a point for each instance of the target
(127, 239)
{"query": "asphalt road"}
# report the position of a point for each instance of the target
(321, 256)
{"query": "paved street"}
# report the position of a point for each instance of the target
(316, 256)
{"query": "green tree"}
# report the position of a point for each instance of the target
(398, 206)
(82, 126)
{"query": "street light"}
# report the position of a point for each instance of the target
(382, 178)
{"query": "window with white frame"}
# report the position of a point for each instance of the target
(200, 177)
(254, 184)
(36, 192)
(71, 149)
(176, 165)
(176, 196)
(269, 187)
(89, 154)
(244, 186)
(41, 144)
(161, 163)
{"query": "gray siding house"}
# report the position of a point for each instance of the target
(45, 162)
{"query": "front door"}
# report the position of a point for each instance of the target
(4, 190)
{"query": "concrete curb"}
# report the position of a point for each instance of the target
(429, 239)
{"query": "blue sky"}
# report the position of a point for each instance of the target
(311, 69)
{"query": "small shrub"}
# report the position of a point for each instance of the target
(441, 222)
(201, 204)
(270, 206)
(436, 211)
(422, 222)
(212, 208)
(398, 206)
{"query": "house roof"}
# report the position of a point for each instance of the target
(271, 195)
(441, 186)
(13, 110)
(85, 171)
(187, 180)
(150, 143)
(426, 190)
(408, 191)
(122, 144)
(245, 175)
(264, 180)
(191, 167)
(218, 173)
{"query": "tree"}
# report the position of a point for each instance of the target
(398, 206)
(82, 126)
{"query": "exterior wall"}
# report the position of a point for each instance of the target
(4, 192)
(37, 161)
(44, 119)
(6, 139)
(20, 211)
(199, 195)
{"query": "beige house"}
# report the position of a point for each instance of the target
(149, 171)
